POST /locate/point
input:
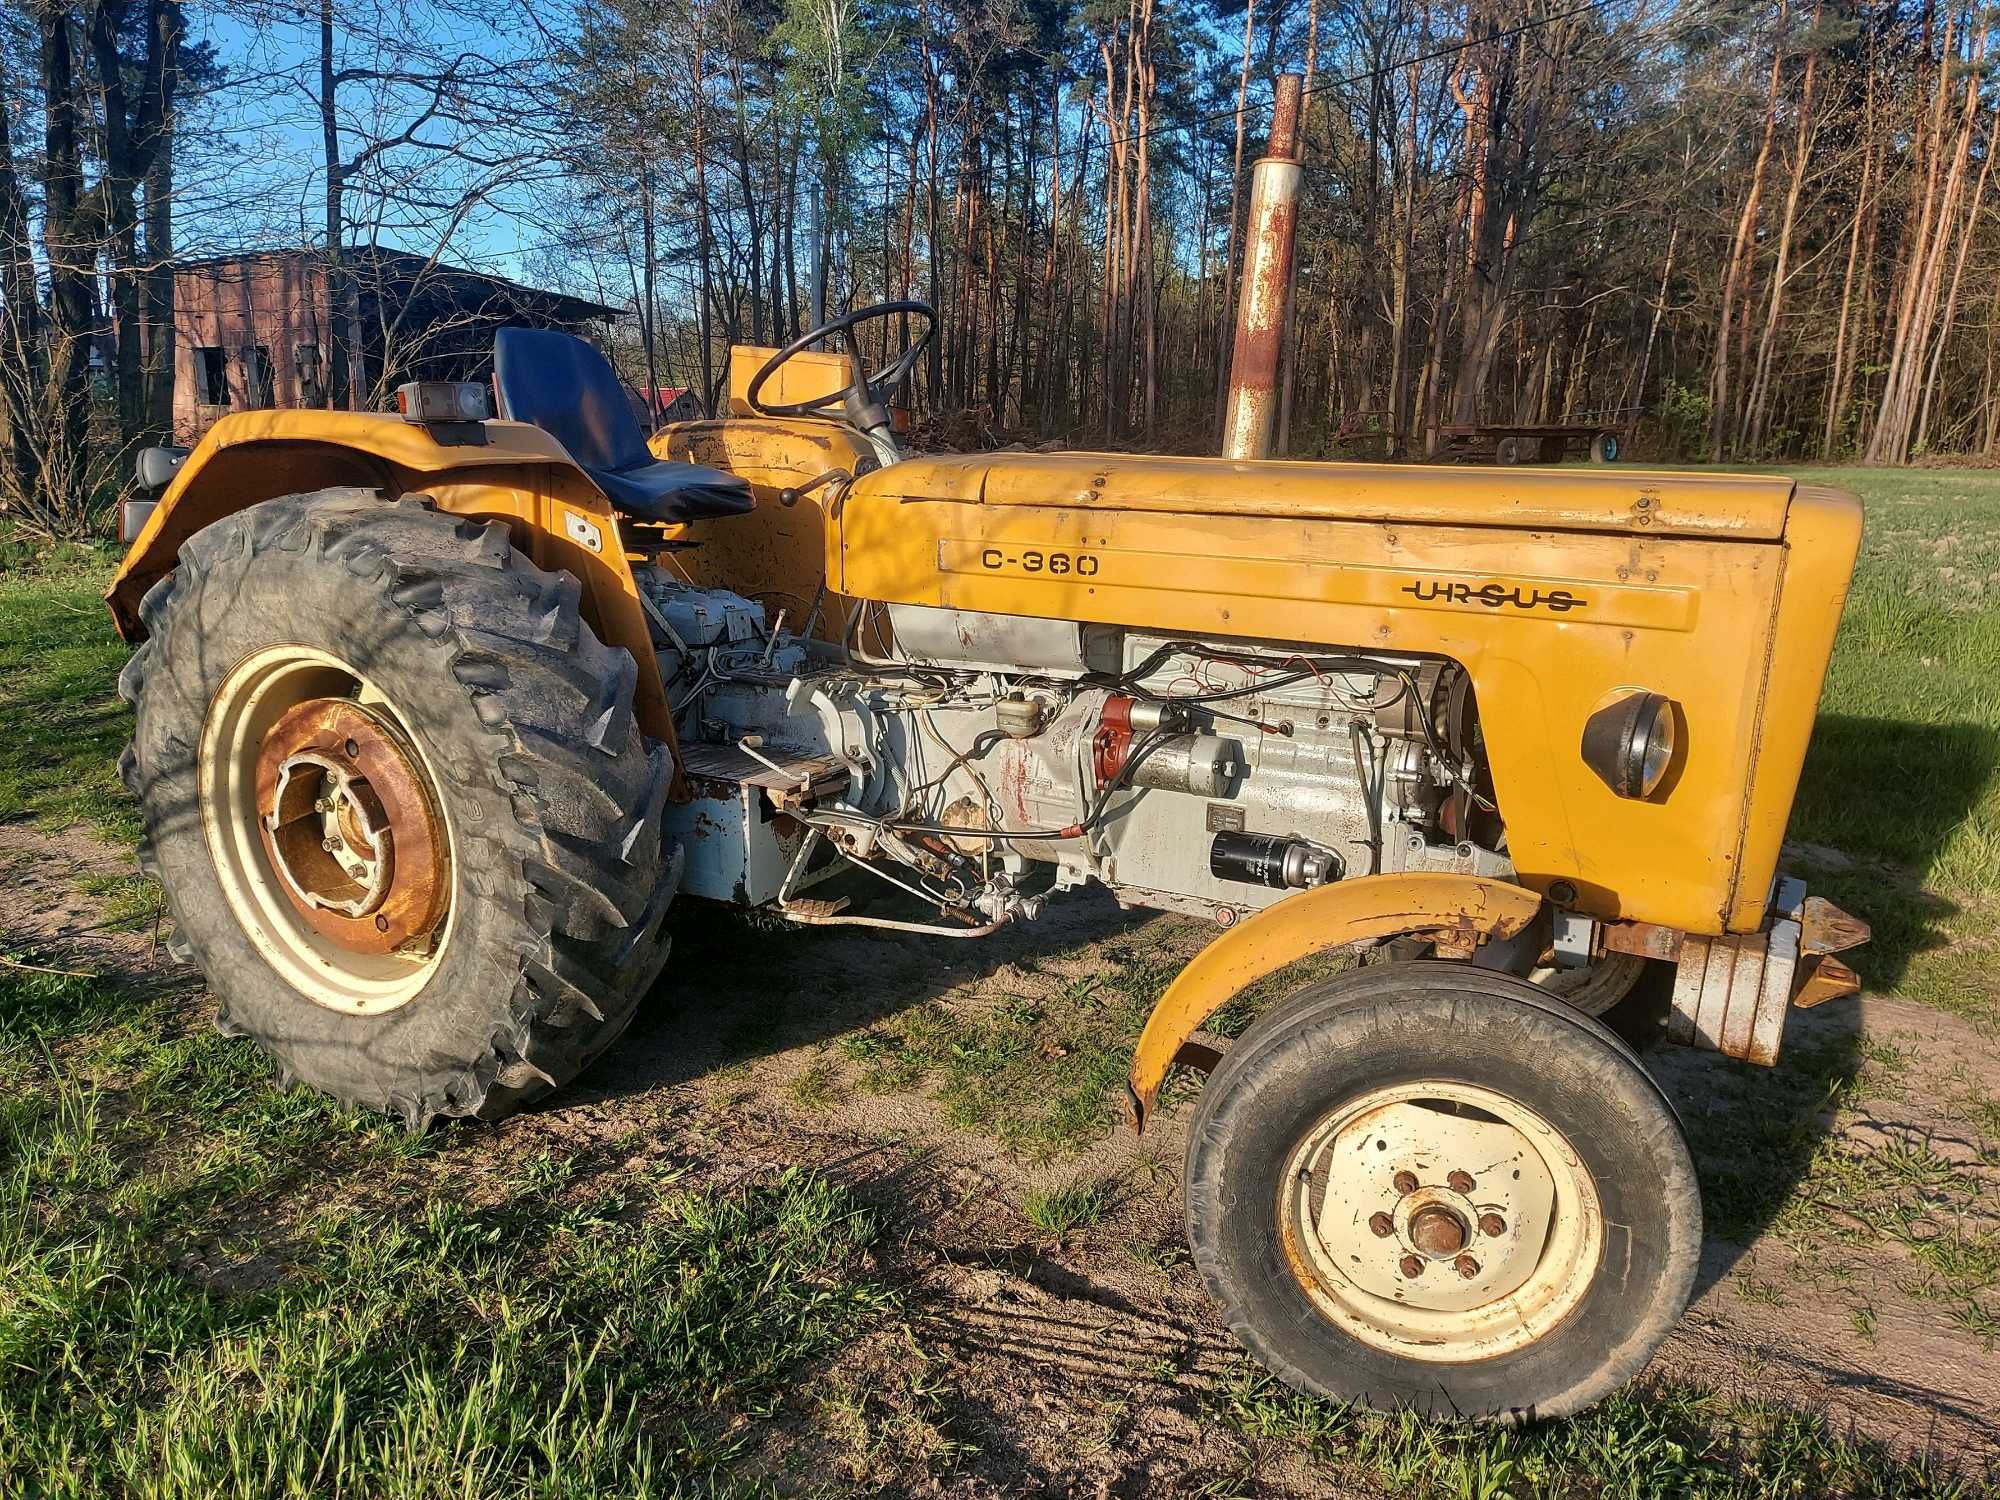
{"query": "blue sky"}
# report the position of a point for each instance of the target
(252, 165)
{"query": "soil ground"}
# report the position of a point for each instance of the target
(1089, 1361)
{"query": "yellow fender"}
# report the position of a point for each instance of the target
(1462, 910)
(513, 473)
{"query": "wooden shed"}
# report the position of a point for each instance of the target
(256, 329)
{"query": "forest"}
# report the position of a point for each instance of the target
(1763, 230)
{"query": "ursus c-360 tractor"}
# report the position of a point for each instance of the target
(436, 713)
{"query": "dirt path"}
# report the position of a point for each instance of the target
(1855, 1196)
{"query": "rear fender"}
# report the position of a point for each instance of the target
(518, 475)
(1460, 911)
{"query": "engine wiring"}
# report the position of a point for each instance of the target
(1100, 807)
(1132, 682)
(1201, 683)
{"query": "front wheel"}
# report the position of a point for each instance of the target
(1429, 1186)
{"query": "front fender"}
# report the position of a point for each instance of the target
(1466, 908)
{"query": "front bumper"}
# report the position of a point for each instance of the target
(1731, 993)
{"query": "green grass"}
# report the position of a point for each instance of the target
(211, 1288)
(1903, 776)
(59, 664)
(1658, 1441)
(1044, 1073)
(816, 1087)
(132, 903)
(1063, 1210)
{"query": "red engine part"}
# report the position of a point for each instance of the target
(1113, 740)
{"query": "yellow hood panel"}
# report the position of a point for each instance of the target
(1747, 507)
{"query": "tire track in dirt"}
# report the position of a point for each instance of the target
(1088, 1363)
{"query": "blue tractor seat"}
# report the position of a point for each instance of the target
(560, 384)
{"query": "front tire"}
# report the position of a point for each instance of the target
(1430, 1186)
(449, 901)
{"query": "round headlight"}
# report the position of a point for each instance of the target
(1630, 743)
(1657, 751)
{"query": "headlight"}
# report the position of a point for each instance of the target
(1630, 742)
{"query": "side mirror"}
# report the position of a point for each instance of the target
(157, 467)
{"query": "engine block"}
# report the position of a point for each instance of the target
(1202, 776)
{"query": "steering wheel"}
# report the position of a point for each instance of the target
(861, 397)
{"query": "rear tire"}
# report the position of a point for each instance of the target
(1604, 448)
(1336, 1090)
(522, 721)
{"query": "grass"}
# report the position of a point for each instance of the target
(59, 664)
(815, 1088)
(132, 903)
(1658, 1441)
(1063, 1210)
(1043, 1073)
(211, 1288)
(1903, 777)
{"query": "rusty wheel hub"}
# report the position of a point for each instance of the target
(1437, 1231)
(349, 827)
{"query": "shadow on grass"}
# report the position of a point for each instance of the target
(1881, 803)
(740, 987)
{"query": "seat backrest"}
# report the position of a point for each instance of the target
(563, 386)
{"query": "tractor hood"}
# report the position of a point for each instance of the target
(1744, 507)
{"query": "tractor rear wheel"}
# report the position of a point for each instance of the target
(1427, 1185)
(393, 787)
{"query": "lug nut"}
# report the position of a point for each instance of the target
(329, 845)
(1382, 1224)
(1460, 1182)
(1492, 1224)
(1406, 1182)
(1413, 1266)
(1467, 1267)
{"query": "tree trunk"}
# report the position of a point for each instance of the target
(1742, 253)
(1227, 312)
(1837, 389)
(1751, 432)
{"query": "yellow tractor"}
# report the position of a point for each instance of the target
(438, 710)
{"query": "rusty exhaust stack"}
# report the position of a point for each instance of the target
(1252, 412)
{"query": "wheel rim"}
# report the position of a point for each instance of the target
(1440, 1221)
(1597, 986)
(320, 811)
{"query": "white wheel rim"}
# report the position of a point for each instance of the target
(1371, 1195)
(253, 697)
(1597, 986)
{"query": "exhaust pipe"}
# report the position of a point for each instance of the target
(1252, 412)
